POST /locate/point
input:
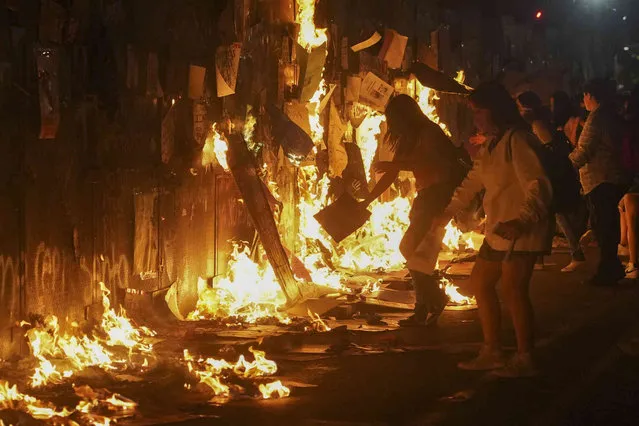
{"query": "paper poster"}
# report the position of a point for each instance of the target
(227, 63)
(337, 157)
(353, 87)
(52, 19)
(196, 82)
(311, 67)
(371, 41)
(326, 98)
(145, 250)
(298, 114)
(375, 91)
(132, 68)
(393, 49)
(200, 123)
(153, 87)
(48, 91)
(168, 135)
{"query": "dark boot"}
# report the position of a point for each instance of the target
(418, 319)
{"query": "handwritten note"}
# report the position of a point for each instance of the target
(375, 92)
(227, 63)
(337, 157)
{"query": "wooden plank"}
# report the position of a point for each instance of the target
(256, 200)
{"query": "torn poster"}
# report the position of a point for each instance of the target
(49, 91)
(371, 41)
(196, 82)
(132, 68)
(145, 251)
(227, 63)
(353, 87)
(153, 87)
(337, 157)
(393, 49)
(375, 91)
(200, 124)
(326, 98)
(298, 114)
(168, 135)
(311, 67)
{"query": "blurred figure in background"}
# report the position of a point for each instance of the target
(565, 180)
(629, 205)
(597, 157)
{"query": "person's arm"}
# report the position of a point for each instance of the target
(382, 185)
(466, 192)
(588, 143)
(533, 181)
(542, 131)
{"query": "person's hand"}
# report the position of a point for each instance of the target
(385, 167)
(510, 230)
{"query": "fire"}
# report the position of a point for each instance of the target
(313, 107)
(215, 373)
(115, 345)
(452, 291)
(367, 134)
(246, 292)
(309, 36)
(452, 236)
(318, 323)
(215, 149)
(12, 399)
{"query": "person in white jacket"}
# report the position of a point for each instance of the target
(517, 201)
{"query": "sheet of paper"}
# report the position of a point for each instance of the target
(200, 123)
(353, 88)
(393, 49)
(311, 67)
(337, 157)
(153, 87)
(168, 135)
(375, 92)
(298, 113)
(47, 61)
(227, 63)
(371, 41)
(326, 97)
(196, 82)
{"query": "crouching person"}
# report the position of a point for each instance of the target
(517, 198)
(421, 147)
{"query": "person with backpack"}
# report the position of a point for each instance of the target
(597, 157)
(565, 181)
(420, 146)
(518, 195)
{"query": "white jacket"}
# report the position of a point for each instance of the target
(516, 188)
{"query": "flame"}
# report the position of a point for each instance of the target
(247, 292)
(452, 236)
(452, 291)
(215, 149)
(274, 388)
(367, 134)
(317, 323)
(115, 345)
(313, 107)
(215, 372)
(309, 36)
(12, 399)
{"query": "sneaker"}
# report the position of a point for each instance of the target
(573, 266)
(520, 365)
(487, 359)
(586, 238)
(632, 273)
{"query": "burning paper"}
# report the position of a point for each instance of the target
(372, 40)
(227, 62)
(375, 91)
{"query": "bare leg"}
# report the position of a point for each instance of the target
(516, 275)
(631, 202)
(483, 280)
(624, 224)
